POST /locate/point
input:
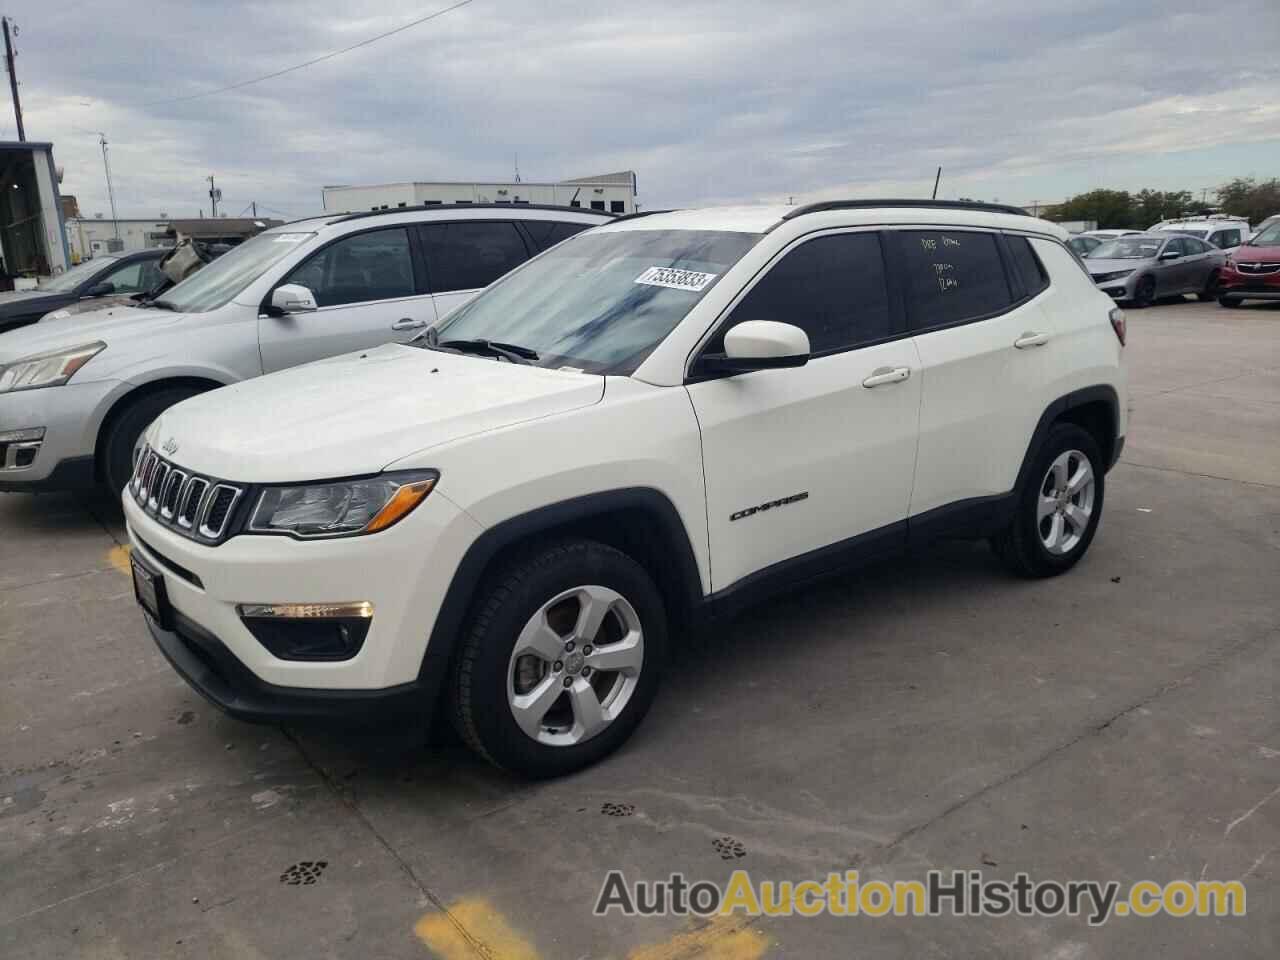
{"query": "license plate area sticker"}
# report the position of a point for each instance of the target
(691, 280)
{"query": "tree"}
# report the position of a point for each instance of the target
(1152, 206)
(1108, 208)
(1246, 197)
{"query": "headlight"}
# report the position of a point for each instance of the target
(341, 508)
(47, 369)
(1104, 277)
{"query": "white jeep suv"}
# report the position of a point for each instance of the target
(654, 422)
(76, 392)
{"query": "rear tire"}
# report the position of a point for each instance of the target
(542, 620)
(115, 456)
(1210, 291)
(1058, 508)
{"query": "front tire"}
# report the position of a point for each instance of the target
(1229, 302)
(561, 659)
(1058, 509)
(125, 432)
(1144, 291)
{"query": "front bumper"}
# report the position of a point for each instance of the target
(403, 572)
(1122, 289)
(1233, 285)
(213, 671)
(70, 416)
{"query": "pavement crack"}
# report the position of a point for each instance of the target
(1206, 663)
(1205, 476)
(426, 892)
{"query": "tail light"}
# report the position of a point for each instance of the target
(1118, 323)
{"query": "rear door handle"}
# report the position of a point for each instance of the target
(1030, 339)
(408, 323)
(882, 375)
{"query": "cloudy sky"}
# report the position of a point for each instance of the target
(710, 102)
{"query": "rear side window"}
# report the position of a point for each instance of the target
(951, 276)
(470, 254)
(547, 233)
(1226, 238)
(1027, 264)
(833, 288)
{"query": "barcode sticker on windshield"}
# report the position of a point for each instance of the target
(676, 279)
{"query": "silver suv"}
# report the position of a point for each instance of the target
(76, 393)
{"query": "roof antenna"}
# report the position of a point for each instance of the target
(935, 183)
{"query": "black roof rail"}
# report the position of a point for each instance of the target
(871, 204)
(639, 213)
(343, 218)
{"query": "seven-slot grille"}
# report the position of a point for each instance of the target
(194, 506)
(1257, 268)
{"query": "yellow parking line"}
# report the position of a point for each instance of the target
(724, 938)
(472, 929)
(118, 557)
(488, 935)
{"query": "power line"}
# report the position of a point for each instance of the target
(307, 63)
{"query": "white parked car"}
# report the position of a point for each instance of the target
(77, 392)
(654, 422)
(1225, 233)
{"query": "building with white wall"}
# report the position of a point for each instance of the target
(611, 192)
(91, 236)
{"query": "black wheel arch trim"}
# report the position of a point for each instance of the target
(468, 577)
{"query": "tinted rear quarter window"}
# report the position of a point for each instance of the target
(470, 254)
(832, 287)
(951, 276)
(547, 233)
(1030, 269)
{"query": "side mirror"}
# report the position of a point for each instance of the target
(759, 345)
(292, 298)
(1170, 255)
(103, 289)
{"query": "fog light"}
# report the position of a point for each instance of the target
(22, 436)
(309, 631)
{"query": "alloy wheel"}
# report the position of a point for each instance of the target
(1065, 504)
(575, 665)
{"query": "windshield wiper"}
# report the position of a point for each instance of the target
(508, 351)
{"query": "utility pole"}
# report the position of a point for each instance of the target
(214, 196)
(13, 77)
(106, 165)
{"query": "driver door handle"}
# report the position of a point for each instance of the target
(1030, 339)
(882, 375)
(408, 323)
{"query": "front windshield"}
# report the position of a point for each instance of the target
(1127, 248)
(601, 302)
(216, 283)
(68, 280)
(1267, 236)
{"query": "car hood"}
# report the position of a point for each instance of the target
(91, 306)
(25, 301)
(357, 413)
(1268, 254)
(114, 327)
(1113, 266)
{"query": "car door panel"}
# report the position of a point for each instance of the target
(804, 458)
(982, 360)
(368, 292)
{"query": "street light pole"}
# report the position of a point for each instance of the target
(111, 194)
(13, 79)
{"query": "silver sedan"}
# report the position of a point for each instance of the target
(1143, 267)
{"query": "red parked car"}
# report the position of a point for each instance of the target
(1252, 271)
